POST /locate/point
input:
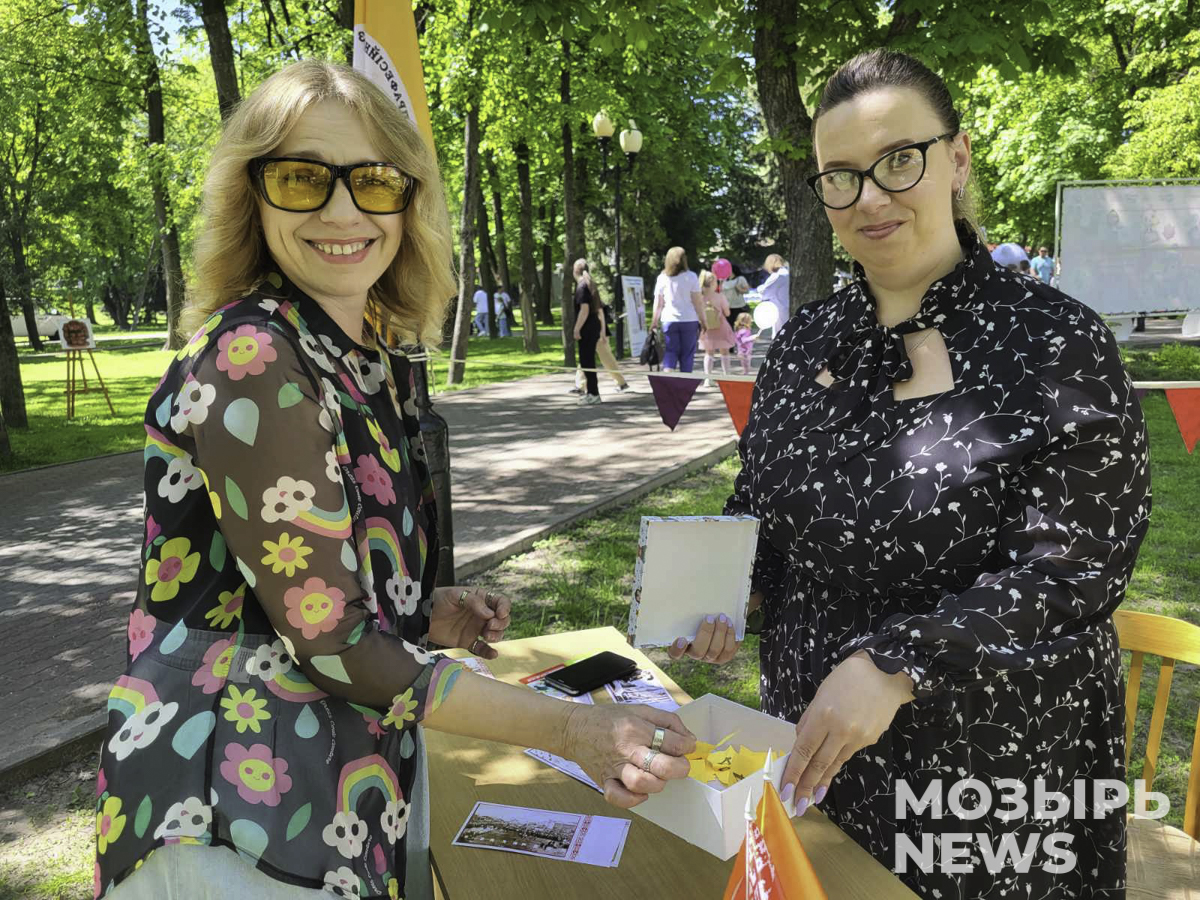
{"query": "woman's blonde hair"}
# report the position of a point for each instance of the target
(675, 261)
(707, 280)
(774, 263)
(411, 297)
(583, 276)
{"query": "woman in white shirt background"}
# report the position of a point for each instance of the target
(677, 307)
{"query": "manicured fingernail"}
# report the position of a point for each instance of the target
(819, 794)
(680, 643)
(788, 790)
(801, 806)
(711, 620)
(724, 619)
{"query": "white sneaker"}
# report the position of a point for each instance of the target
(588, 400)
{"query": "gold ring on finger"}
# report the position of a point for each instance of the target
(647, 759)
(659, 735)
(462, 599)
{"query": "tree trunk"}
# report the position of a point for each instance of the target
(172, 269)
(220, 50)
(529, 282)
(12, 392)
(487, 263)
(788, 123)
(573, 240)
(545, 309)
(24, 291)
(5, 446)
(466, 247)
(501, 247)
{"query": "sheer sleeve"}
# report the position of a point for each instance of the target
(1072, 521)
(268, 449)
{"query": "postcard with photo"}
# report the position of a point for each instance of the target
(642, 687)
(593, 840)
(478, 666)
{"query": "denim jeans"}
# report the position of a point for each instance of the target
(680, 338)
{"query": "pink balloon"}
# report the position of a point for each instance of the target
(722, 269)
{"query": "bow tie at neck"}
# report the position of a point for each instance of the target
(865, 351)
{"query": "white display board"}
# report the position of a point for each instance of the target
(635, 313)
(1129, 248)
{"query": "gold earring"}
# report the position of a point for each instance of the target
(962, 190)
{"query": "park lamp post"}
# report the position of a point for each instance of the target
(631, 144)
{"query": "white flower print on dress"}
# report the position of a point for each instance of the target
(404, 593)
(287, 499)
(368, 375)
(310, 346)
(342, 883)
(333, 471)
(180, 478)
(330, 347)
(191, 405)
(270, 661)
(346, 833)
(189, 818)
(394, 819)
(418, 654)
(142, 728)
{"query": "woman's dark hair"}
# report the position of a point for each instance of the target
(877, 69)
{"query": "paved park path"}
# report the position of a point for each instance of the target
(524, 460)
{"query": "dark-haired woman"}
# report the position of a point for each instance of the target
(951, 471)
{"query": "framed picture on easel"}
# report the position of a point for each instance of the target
(76, 334)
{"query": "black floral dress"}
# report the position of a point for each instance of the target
(276, 664)
(977, 540)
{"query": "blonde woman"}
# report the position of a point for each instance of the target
(277, 667)
(735, 291)
(677, 305)
(776, 288)
(717, 337)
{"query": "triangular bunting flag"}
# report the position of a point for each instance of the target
(737, 400)
(1185, 403)
(672, 396)
(778, 868)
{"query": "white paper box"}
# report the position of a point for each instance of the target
(714, 817)
(689, 567)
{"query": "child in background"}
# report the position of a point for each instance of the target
(743, 339)
(715, 334)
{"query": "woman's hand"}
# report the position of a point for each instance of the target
(716, 642)
(611, 743)
(853, 707)
(470, 618)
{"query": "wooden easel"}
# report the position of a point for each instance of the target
(74, 371)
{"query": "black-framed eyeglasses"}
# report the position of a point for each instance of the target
(294, 184)
(896, 171)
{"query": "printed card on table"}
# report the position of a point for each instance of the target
(690, 567)
(642, 687)
(565, 766)
(594, 840)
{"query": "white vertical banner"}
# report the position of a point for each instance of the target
(634, 292)
(387, 51)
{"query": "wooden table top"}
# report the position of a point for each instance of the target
(655, 863)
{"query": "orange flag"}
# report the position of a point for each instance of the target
(1185, 403)
(777, 868)
(737, 400)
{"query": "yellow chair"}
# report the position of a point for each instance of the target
(1163, 862)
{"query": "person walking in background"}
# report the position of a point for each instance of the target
(1043, 265)
(603, 350)
(776, 288)
(735, 292)
(743, 339)
(677, 305)
(717, 336)
(503, 304)
(481, 311)
(589, 328)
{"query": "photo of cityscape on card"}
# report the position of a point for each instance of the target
(527, 831)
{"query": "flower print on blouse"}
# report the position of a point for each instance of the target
(977, 540)
(276, 662)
